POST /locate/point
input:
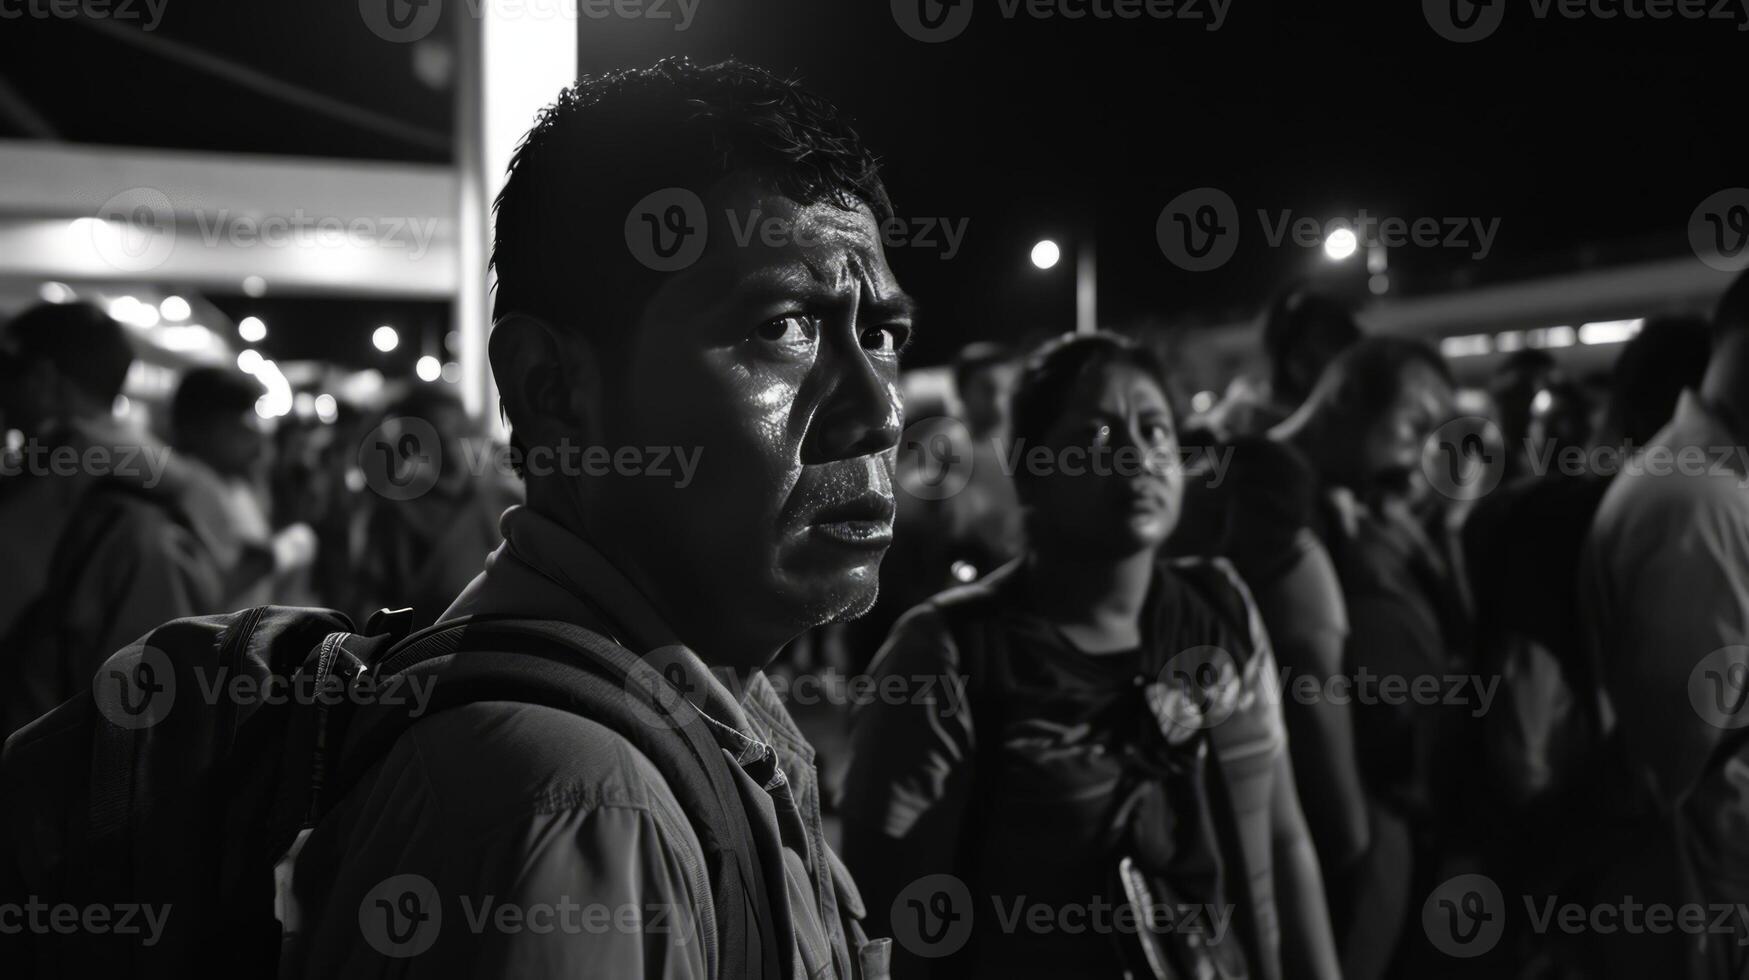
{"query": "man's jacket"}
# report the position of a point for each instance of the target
(554, 847)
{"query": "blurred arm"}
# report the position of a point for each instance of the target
(910, 774)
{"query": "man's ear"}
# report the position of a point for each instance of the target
(550, 382)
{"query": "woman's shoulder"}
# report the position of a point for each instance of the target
(1213, 600)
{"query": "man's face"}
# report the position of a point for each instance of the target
(775, 367)
(986, 396)
(1393, 443)
(234, 444)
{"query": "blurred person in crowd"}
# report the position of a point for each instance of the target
(1515, 385)
(1665, 597)
(985, 516)
(222, 439)
(1549, 778)
(1362, 434)
(1334, 480)
(1103, 724)
(423, 550)
(104, 536)
(1303, 331)
(1668, 356)
(958, 516)
(775, 366)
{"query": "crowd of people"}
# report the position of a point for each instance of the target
(1332, 679)
(113, 526)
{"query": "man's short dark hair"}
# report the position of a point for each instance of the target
(612, 139)
(1052, 372)
(1669, 354)
(211, 394)
(77, 341)
(977, 357)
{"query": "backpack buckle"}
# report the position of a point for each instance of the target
(395, 623)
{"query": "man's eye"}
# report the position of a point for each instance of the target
(1100, 436)
(885, 340)
(794, 329)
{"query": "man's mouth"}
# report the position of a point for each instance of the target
(864, 521)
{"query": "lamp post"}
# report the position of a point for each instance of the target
(1046, 253)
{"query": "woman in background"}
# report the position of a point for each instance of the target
(1089, 774)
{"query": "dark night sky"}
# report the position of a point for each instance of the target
(1591, 141)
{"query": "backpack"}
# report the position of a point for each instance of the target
(153, 793)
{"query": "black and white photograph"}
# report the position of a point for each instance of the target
(874, 490)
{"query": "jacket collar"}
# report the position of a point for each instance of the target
(542, 570)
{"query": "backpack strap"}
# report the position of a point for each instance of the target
(559, 665)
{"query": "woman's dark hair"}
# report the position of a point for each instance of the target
(1053, 370)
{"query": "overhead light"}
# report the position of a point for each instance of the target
(55, 292)
(1609, 331)
(1341, 244)
(1046, 254)
(254, 287)
(428, 368)
(386, 338)
(175, 308)
(249, 360)
(1467, 345)
(252, 330)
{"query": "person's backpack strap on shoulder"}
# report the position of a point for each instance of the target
(563, 666)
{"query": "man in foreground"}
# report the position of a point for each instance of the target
(771, 359)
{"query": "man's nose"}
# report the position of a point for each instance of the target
(861, 413)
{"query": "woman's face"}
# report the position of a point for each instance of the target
(1112, 481)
